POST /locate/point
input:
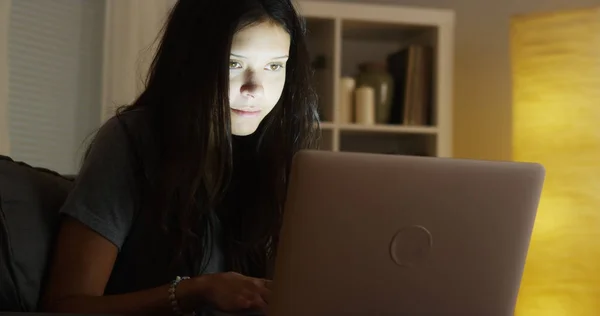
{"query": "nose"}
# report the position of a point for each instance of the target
(252, 87)
(252, 90)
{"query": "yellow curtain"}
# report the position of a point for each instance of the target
(556, 109)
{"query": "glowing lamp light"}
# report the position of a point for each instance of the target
(556, 121)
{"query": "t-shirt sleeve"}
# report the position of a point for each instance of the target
(104, 193)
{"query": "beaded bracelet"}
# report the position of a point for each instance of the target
(173, 298)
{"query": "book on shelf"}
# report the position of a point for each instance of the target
(412, 71)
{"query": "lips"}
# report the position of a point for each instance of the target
(246, 112)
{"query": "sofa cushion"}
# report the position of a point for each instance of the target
(30, 199)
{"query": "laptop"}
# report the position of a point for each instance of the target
(375, 234)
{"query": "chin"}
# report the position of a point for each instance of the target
(243, 131)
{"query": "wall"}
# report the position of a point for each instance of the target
(4, 22)
(482, 116)
(55, 64)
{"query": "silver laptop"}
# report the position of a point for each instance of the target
(368, 234)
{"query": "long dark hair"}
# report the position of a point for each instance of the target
(203, 168)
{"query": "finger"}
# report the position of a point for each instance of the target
(260, 287)
(264, 293)
(259, 282)
(244, 302)
(259, 303)
(268, 284)
(263, 283)
(266, 296)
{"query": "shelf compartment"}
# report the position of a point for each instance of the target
(320, 41)
(345, 35)
(374, 42)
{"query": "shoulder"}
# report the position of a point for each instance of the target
(106, 192)
(135, 123)
(130, 132)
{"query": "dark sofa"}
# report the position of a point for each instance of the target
(30, 199)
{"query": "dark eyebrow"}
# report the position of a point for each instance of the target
(240, 56)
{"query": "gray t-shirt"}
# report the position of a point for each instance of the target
(106, 198)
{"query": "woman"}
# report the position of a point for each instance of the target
(190, 180)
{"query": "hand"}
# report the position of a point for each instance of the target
(233, 292)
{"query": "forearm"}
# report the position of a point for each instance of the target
(151, 301)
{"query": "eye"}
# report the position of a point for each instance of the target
(274, 67)
(234, 64)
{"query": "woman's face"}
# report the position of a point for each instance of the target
(256, 74)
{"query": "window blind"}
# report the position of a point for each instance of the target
(55, 63)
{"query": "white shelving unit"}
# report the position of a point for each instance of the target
(347, 34)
